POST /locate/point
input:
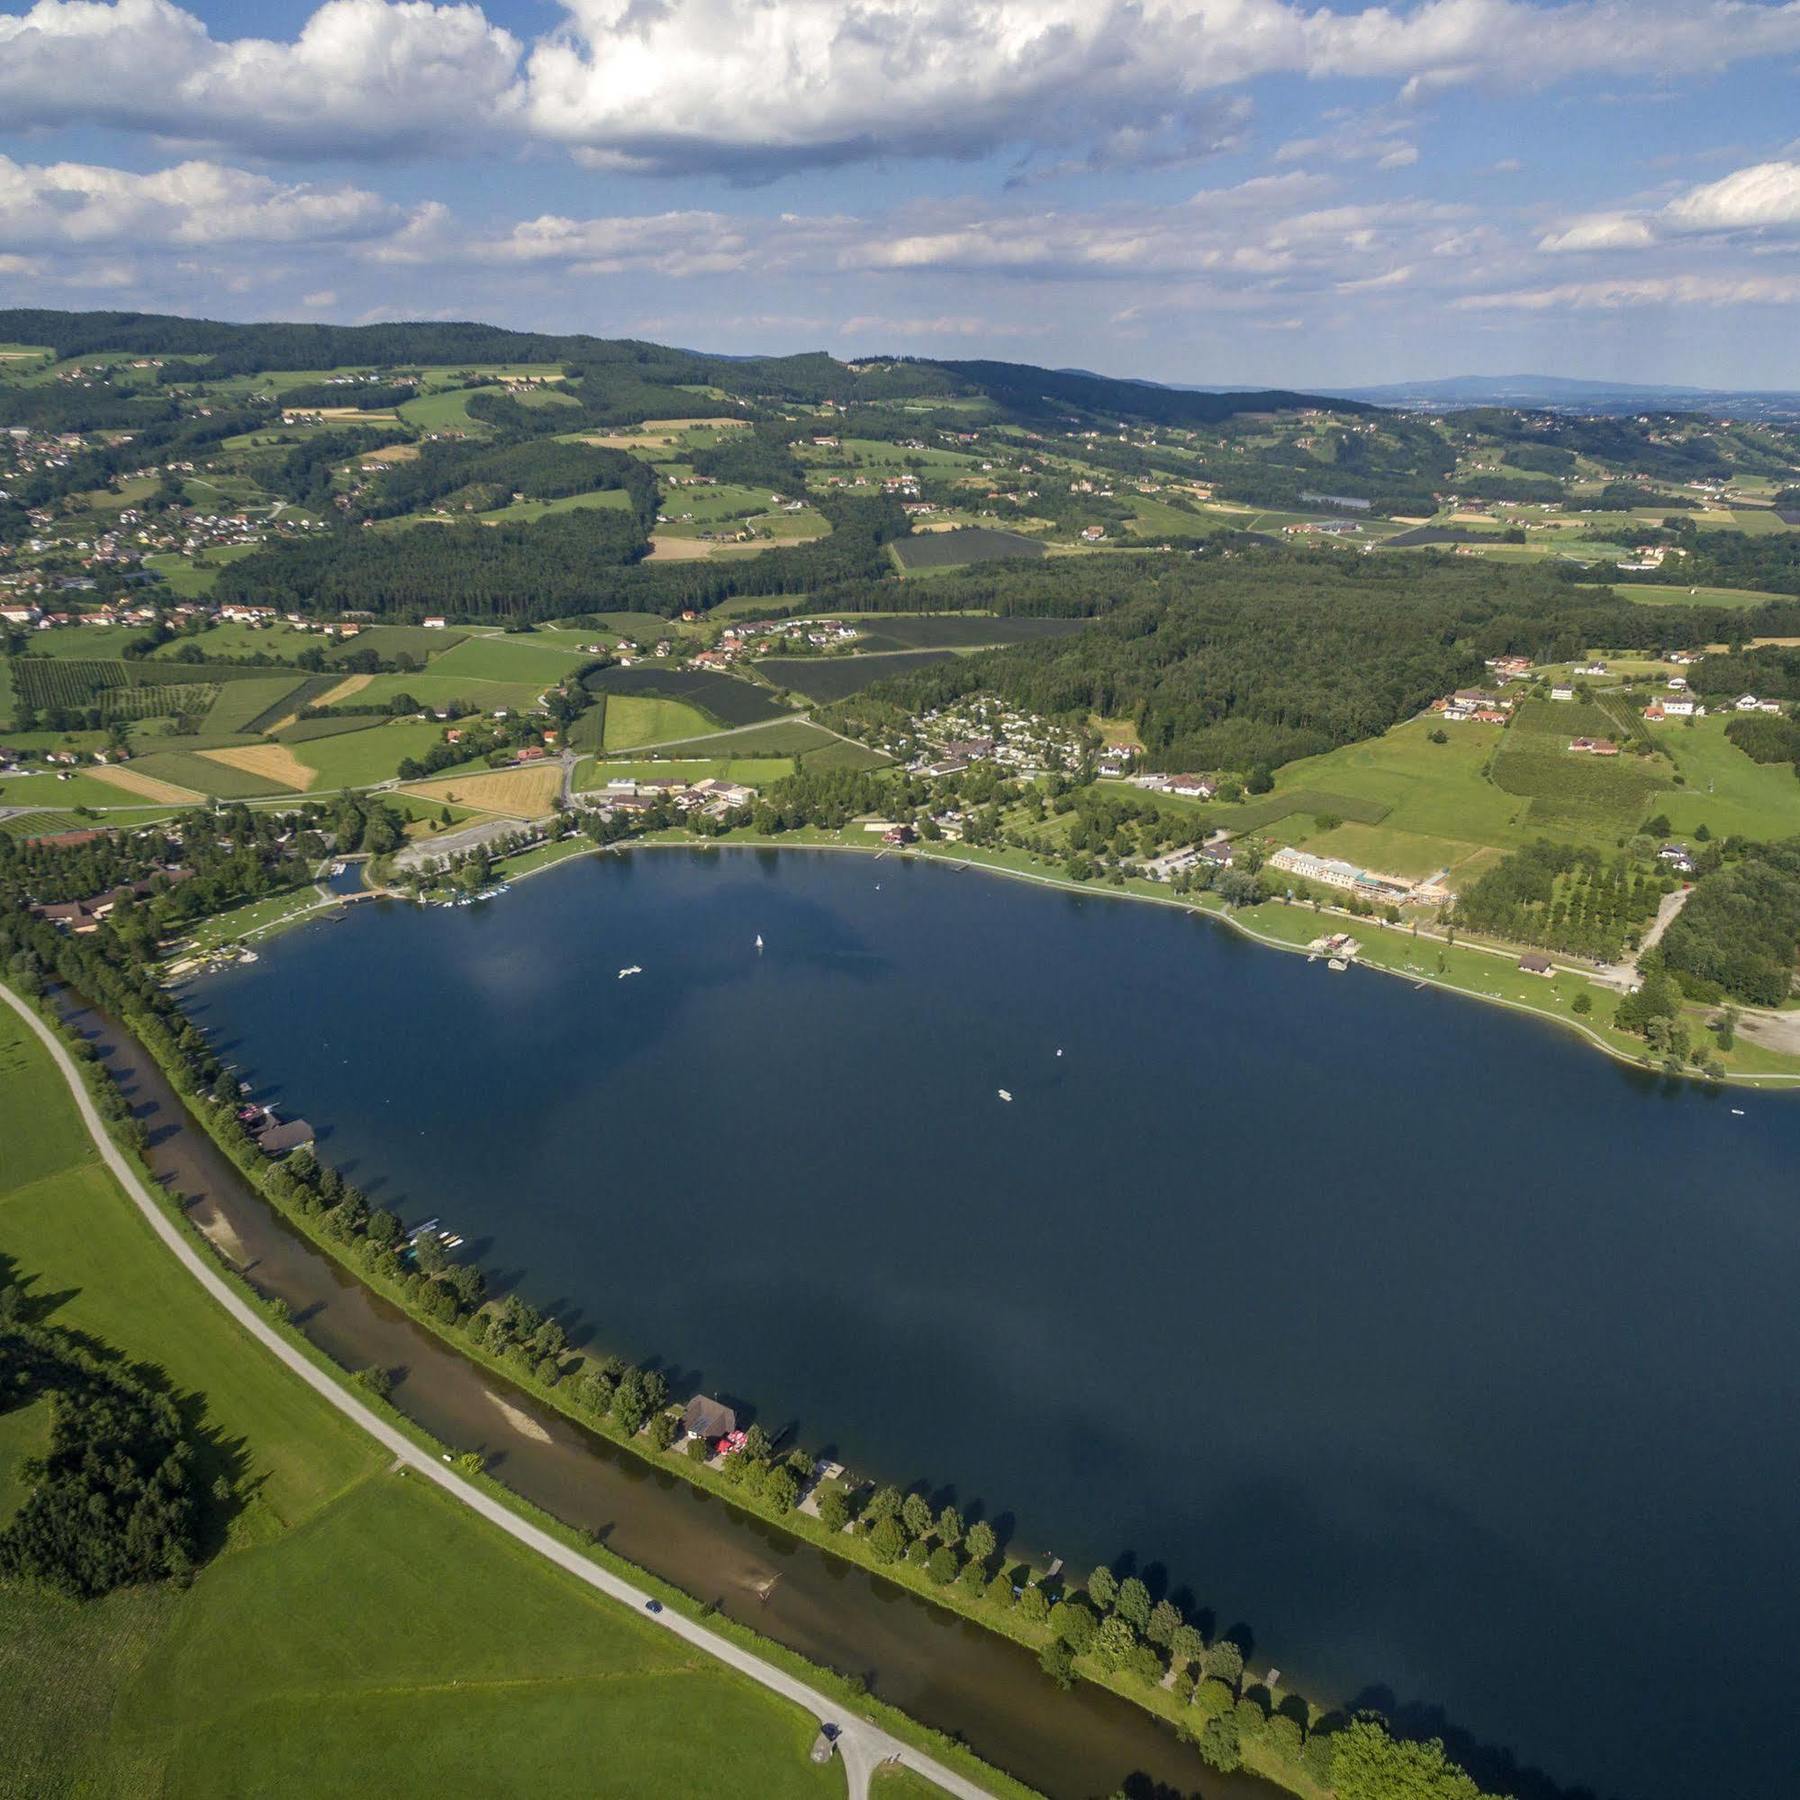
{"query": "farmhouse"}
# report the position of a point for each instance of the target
(1562, 693)
(1750, 703)
(1594, 746)
(1677, 857)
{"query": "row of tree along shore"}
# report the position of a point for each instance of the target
(1110, 1631)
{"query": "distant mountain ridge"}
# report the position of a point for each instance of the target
(650, 380)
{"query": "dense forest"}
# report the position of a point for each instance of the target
(1739, 934)
(1262, 656)
(488, 475)
(111, 1501)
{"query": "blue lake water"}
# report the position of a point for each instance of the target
(1451, 1358)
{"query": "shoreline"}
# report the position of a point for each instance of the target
(1221, 914)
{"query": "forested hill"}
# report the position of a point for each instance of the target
(1260, 657)
(650, 379)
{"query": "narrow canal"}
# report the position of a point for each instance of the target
(941, 1670)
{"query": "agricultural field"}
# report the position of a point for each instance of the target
(390, 642)
(252, 706)
(514, 657)
(268, 762)
(1722, 788)
(1656, 593)
(726, 698)
(1595, 799)
(199, 773)
(372, 1677)
(633, 719)
(824, 679)
(132, 780)
(192, 578)
(525, 793)
(87, 643)
(358, 758)
(781, 737)
(1439, 793)
(59, 791)
(188, 699)
(954, 549)
(6, 692)
(430, 689)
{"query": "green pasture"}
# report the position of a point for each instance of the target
(190, 578)
(354, 1629)
(431, 689)
(201, 773)
(89, 643)
(63, 792)
(445, 410)
(242, 702)
(1723, 789)
(646, 719)
(390, 642)
(780, 737)
(360, 758)
(1659, 593)
(519, 656)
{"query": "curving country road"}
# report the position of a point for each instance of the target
(862, 1745)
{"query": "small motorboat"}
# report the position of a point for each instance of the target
(635, 969)
(759, 940)
(1337, 965)
(1004, 1095)
(1737, 1112)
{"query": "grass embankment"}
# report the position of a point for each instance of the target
(353, 1630)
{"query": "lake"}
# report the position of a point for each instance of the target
(1457, 1362)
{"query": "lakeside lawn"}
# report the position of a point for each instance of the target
(357, 1630)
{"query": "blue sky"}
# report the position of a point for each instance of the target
(1194, 190)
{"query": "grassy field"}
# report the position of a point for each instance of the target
(973, 544)
(643, 719)
(355, 1630)
(517, 793)
(727, 698)
(1657, 593)
(781, 737)
(518, 657)
(244, 705)
(391, 641)
(41, 788)
(439, 690)
(357, 758)
(1594, 799)
(189, 580)
(189, 769)
(1438, 793)
(1723, 789)
(269, 762)
(133, 781)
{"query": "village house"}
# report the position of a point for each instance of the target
(1750, 703)
(1594, 746)
(1677, 857)
(1562, 693)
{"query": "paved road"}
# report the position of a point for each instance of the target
(862, 1745)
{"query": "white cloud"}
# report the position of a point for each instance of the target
(749, 87)
(1748, 199)
(1651, 290)
(83, 206)
(363, 75)
(1601, 231)
(1752, 201)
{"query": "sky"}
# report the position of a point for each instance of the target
(1207, 191)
